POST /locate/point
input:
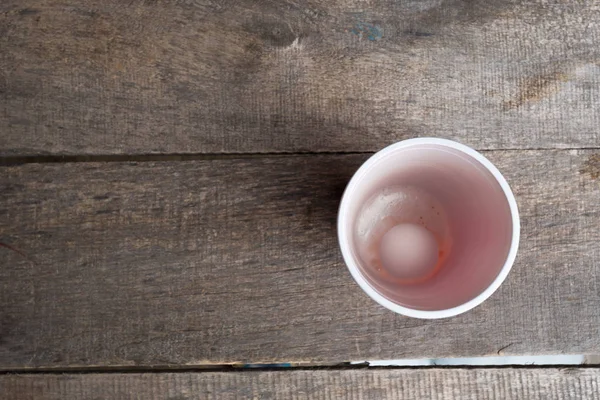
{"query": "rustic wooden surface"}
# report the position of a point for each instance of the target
(227, 258)
(206, 76)
(236, 260)
(439, 384)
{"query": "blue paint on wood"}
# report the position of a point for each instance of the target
(366, 30)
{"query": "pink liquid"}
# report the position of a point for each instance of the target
(432, 227)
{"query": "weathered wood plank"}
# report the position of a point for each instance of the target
(232, 260)
(204, 76)
(439, 384)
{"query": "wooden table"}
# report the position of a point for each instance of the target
(171, 171)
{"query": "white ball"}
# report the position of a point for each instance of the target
(409, 251)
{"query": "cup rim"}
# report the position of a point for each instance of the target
(344, 237)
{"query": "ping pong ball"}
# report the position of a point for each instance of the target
(409, 251)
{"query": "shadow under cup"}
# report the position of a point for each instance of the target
(428, 227)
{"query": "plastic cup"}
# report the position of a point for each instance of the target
(428, 228)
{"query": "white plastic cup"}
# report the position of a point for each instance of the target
(428, 228)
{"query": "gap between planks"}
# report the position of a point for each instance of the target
(54, 159)
(183, 369)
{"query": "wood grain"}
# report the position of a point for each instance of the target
(204, 76)
(236, 260)
(397, 384)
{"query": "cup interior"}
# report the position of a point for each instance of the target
(429, 190)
